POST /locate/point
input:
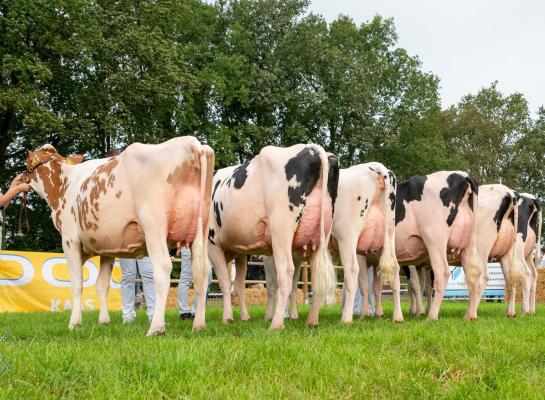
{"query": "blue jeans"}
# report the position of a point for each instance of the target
(186, 278)
(129, 267)
(358, 297)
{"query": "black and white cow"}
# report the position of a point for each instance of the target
(279, 202)
(435, 222)
(496, 240)
(529, 232)
(363, 224)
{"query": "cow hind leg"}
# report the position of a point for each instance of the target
(509, 287)
(102, 287)
(284, 275)
(351, 272)
(162, 267)
(224, 278)
(441, 273)
(293, 297)
(396, 294)
(427, 283)
(418, 287)
(377, 291)
(241, 263)
(526, 285)
(270, 280)
(410, 290)
(473, 279)
(533, 287)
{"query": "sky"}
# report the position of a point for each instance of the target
(467, 44)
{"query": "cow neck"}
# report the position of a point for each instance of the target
(51, 181)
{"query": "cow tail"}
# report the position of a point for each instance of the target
(387, 264)
(517, 268)
(476, 265)
(199, 253)
(324, 281)
(537, 255)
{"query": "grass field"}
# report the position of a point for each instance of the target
(493, 357)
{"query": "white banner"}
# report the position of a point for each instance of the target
(457, 286)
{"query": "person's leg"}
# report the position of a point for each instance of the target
(363, 286)
(128, 275)
(357, 301)
(145, 268)
(186, 276)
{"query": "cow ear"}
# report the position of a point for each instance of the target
(76, 159)
(29, 156)
(49, 148)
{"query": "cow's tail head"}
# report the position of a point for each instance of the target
(388, 266)
(537, 254)
(199, 253)
(517, 262)
(476, 264)
(324, 281)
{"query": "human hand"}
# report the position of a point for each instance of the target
(19, 184)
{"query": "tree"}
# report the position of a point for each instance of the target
(484, 129)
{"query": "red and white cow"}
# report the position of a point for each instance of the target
(363, 223)
(101, 208)
(435, 222)
(277, 203)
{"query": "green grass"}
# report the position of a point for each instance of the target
(493, 357)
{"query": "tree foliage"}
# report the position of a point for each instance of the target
(89, 76)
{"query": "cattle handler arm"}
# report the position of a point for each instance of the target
(17, 186)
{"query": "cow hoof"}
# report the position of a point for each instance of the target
(245, 318)
(198, 327)
(104, 320)
(74, 325)
(379, 316)
(228, 321)
(156, 331)
(313, 325)
(346, 321)
(399, 320)
(509, 315)
(433, 319)
(276, 327)
(294, 317)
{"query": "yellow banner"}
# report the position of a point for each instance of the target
(41, 282)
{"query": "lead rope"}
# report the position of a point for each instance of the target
(23, 210)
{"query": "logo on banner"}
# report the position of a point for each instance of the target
(41, 282)
(457, 286)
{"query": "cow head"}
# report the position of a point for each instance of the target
(46, 174)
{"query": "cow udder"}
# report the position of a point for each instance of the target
(462, 227)
(183, 215)
(308, 230)
(372, 236)
(504, 241)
